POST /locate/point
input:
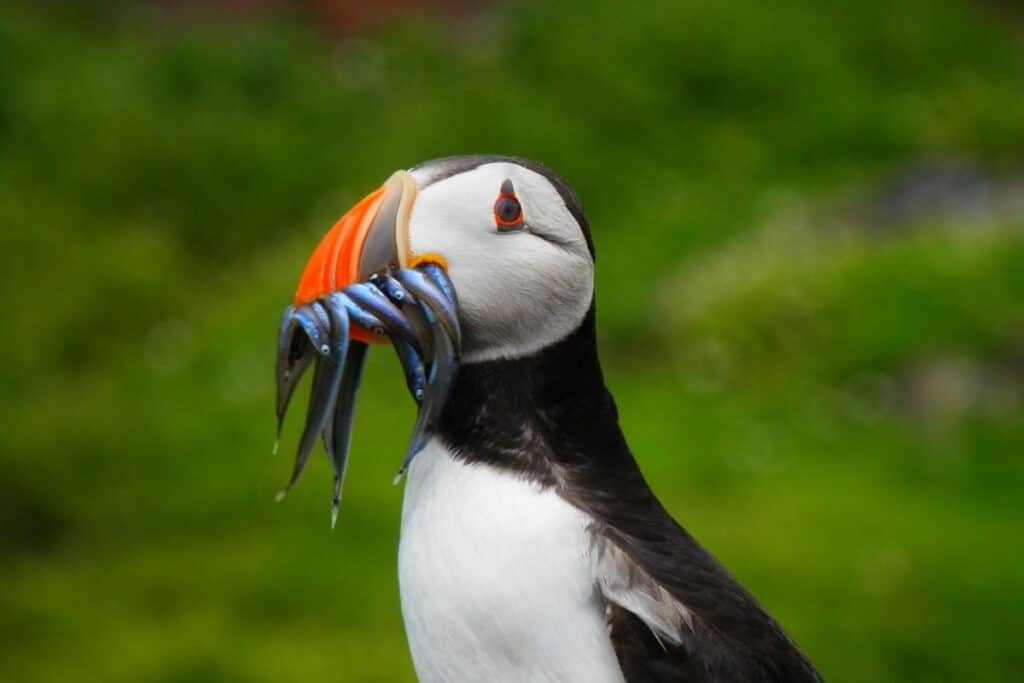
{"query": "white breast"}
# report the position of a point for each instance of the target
(496, 580)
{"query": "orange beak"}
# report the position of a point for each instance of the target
(371, 237)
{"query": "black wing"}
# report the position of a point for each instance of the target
(674, 613)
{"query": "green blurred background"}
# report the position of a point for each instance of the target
(810, 229)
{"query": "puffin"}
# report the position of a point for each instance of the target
(531, 546)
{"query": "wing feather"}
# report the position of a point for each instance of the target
(622, 582)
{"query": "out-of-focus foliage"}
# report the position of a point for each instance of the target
(831, 401)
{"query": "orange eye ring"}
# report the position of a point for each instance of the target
(508, 212)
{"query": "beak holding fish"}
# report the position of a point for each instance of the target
(364, 285)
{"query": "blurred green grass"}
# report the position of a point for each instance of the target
(834, 410)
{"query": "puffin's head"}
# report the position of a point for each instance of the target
(516, 247)
(509, 233)
(458, 260)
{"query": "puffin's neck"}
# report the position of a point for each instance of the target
(536, 415)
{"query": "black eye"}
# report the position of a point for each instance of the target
(507, 211)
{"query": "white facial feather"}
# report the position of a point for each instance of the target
(518, 292)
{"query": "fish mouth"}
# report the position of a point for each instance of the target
(363, 285)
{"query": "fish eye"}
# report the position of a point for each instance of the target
(508, 212)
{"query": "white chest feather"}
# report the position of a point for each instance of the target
(496, 579)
